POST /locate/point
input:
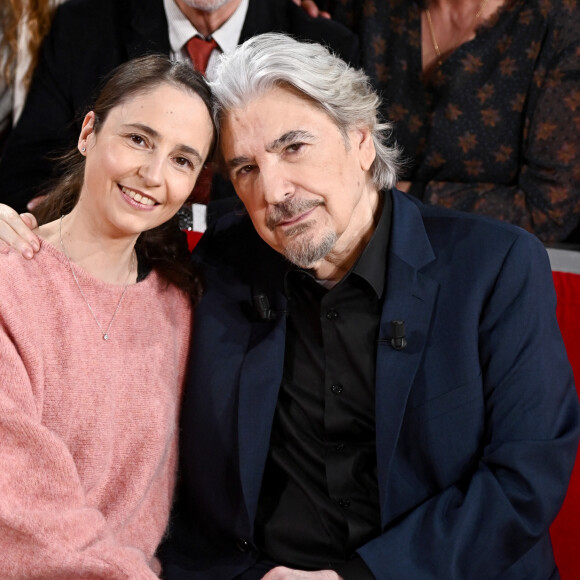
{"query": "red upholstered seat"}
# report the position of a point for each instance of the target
(565, 531)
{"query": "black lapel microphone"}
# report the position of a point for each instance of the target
(398, 340)
(262, 308)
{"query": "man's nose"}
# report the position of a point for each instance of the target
(277, 185)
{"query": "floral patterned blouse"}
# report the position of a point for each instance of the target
(495, 129)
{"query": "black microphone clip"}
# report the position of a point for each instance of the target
(398, 340)
(262, 307)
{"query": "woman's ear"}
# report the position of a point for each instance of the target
(87, 130)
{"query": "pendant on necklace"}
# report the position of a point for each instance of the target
(105, 336)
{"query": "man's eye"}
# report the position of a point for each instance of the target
(294, 147)
(245, 169)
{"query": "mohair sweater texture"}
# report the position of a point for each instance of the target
(88, 427)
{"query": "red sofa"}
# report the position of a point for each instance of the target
(565, 530)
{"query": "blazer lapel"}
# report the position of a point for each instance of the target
(260, 378)
(410, 296)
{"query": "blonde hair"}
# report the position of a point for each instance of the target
(37, 16)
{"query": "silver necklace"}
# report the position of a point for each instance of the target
(105, 333)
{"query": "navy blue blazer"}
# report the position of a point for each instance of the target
(477, 418)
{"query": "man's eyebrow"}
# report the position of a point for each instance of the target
(238, 161)
(155, 134)
(289, 137)
(279, 143)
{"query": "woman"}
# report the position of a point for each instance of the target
(94, 338)
(485, 97)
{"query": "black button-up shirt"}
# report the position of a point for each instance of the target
(319, 500)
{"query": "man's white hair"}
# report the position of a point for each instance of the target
(344, 93)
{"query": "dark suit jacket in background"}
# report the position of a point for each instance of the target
(87, 40)
(477, 418)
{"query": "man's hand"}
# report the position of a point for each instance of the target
(15, 232)
(281, 573)
(311, 8)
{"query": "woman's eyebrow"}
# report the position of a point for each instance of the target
(155, 134)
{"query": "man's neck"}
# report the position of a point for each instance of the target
(345, 253)
(208, 22)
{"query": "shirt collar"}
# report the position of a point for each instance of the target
(372, 264)
(228, 35)
(181, 30)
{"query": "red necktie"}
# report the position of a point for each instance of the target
(199, 51)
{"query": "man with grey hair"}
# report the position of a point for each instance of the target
(378, 389)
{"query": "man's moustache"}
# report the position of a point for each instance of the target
(288, 210)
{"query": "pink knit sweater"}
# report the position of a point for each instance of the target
(87, 427)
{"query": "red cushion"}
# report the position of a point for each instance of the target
(565, 530)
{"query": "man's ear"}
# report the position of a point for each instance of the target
(87, 130)
(363, 139)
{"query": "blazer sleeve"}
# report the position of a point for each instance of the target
(485, 525)
(47, 529)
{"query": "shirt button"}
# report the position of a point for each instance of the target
(243, 545)
(344, 503)
(336, 389)
(340, 447)
(332, 315)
